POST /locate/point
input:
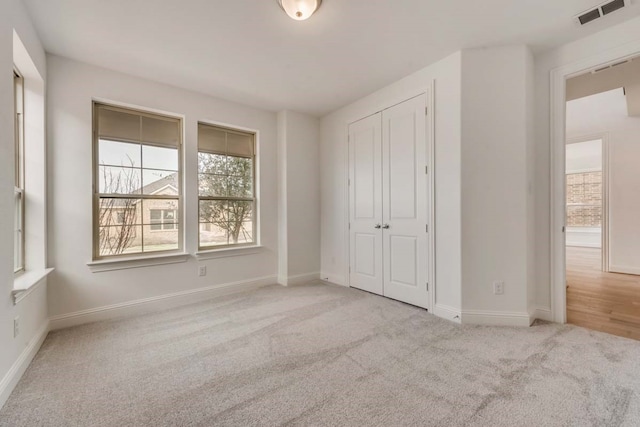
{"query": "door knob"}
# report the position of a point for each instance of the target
(377, 226)
(386, 226)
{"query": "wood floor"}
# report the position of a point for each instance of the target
(607, 302)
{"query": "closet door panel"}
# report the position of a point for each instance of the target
(403, 262)
(401, 200)
(365, 199)
(405, 191)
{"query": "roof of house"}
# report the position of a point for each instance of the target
(156, 187)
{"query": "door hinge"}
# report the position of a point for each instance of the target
(349, 182)
(427, 286)
(426, 111)
(349, 226)
(563, 228)
(426, 228)
(349, 269)
(426, 170)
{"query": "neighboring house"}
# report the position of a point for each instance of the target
(149, 222)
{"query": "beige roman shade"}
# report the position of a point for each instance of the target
(218, 140)
(128, 125)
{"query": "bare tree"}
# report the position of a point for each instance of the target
(230, 179)
(117, 216)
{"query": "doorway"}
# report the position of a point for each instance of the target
(602, 202)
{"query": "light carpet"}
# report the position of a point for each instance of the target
(324, 355)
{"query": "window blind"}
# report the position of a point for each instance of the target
(131, 126)
(217, 140)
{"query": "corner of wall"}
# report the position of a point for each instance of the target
(495, 183)
(282, 197)
(298, 195)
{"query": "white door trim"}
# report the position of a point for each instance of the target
(558, 78)
(431, 187)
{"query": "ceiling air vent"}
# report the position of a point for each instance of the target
(608, 66)
(612, 6)
(601, 10)
(592, 15)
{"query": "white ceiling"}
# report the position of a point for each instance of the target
(250, 52)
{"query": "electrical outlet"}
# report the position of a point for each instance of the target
(202, 270)
(16, 327)
(498, 288)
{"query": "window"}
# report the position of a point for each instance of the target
(19, 195)
(226, 187)
(163, 219)
(137, 181)
(584, 199)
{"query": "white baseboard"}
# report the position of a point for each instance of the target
(447, 312)
(12, 377)
(161, 302)
(542, 314)
(624, 270)
(333, 278)
(299, 279)
(495, 318)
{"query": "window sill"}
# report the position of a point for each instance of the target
(229, 252)
(136, 262)
(27, 282)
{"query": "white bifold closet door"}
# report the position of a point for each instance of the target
(389, 203)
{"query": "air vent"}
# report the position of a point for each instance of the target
(607, 67)
(592, 15)
(612, 6)
(600, 11)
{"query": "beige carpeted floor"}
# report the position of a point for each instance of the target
(324, 355)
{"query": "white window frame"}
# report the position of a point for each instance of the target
(19, 193)
(204, 249)
(97, 257)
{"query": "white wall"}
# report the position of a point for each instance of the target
(606, 114)
(73, 287)
(495, 190)
(33, 309)
(609, 40)
(299, 197)
(333, 160)
(484, 196)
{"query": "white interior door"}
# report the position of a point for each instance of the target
(405, 202)
(365, 199)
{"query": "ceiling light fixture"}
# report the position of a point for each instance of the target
(299, 9)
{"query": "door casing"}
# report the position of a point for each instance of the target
(557, 312)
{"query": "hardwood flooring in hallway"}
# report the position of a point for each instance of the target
(607, 302)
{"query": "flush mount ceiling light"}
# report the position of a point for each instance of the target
(299, 9)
